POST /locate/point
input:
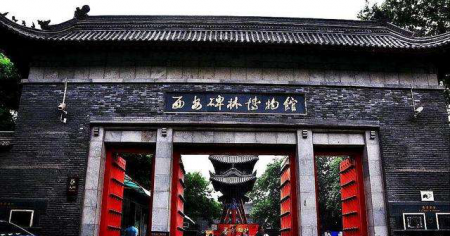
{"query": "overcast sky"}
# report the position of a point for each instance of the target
(201, 163)
(62, 10)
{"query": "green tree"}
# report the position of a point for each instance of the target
(9, 93)
(139, 168)
(330, 208)
(199, 202)
(266, 196)
(423, 17)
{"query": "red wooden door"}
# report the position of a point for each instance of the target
(288, 199)
(352, 197)
(111, 218)
(177, 215)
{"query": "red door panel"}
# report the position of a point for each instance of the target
(352, 197)
(112, 196)
(288, 199)
(177, 214)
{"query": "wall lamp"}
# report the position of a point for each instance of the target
(417, 110)
(62, 107)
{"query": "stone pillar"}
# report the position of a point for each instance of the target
(306, 184)
(374, 186)
(162, 180)
(93, 189)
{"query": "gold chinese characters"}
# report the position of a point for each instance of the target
(236, 103)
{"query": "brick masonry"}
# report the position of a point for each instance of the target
(415, 151)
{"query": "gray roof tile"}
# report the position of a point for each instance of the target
(234, 159)
(236, 30)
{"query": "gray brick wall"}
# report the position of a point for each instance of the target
(415, 151)
(46, 151)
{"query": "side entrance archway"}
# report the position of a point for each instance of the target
(127, 191)
(340, 192)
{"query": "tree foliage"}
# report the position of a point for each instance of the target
(139, 168)
(266, 197)
(9, 93)
(423, 17)
(330, 209)
(199, 202)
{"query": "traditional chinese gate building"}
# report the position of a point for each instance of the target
(226, 85)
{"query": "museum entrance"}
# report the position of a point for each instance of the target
(126, 200)
(209, 188)
(233, 191)
(340, 193)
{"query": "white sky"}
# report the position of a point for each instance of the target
(201, 163)
(62, 10)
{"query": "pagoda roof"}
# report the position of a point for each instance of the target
(230, 30)
(233, 177)
(234, 180)
(234, 159)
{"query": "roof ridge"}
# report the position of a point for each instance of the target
(398, 29)
(14, 26)
(231, 29)
(218, 20)
(231, 17)
(233, 158)
(230, 21)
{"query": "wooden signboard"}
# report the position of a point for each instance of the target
(72, 188)
(245, 103)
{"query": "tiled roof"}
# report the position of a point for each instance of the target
(234, 172)
(234, 180)
(230, 30)
(230, 159)
(232, 177)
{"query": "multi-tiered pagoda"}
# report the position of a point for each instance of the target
(233, 177)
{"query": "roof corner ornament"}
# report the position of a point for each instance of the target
(82, 13)
(33, 26)
(4, 14)
(44, 24)
(24, 23)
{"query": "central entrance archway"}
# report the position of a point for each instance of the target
(287, 185)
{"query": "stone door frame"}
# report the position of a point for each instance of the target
(304, 140)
